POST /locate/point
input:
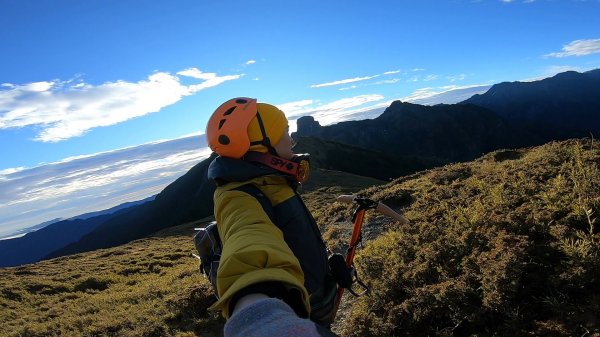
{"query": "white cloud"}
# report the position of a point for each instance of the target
(329, 113)
(553, 70)
(456, 77)
(430, 78)
(446, 94)
(391, 81)
(511, 1)
(64, 109)
(418, 69)
(357, 79)
(6, 172)
(250, 62)
(350, 102)
(349, 80)
(210, 79)
(295, 108)
(73, 186)
(197, 73)
(578, 48)
(420, 94)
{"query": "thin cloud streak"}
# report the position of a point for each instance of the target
(578, 48)
(446, 94)
(455, 78)
(66, 109)
(346, 81)
(352, 80)
(329, 113)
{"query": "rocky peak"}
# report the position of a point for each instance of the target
(307, 126)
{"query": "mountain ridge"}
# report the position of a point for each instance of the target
(508, 115)
(567, 102)
(53, 235)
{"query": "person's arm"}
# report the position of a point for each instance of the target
(247, 301)
(254, 253)
(265, 317)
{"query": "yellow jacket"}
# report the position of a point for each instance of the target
(254, 249)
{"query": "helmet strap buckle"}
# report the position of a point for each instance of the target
(297, 169)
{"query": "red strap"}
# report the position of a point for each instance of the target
(277, 163)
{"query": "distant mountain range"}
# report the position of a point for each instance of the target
(443, 132)
(567, 104)
(508, 115)
(404, 139)
(56, 234)
(24, 231)
(186, 199)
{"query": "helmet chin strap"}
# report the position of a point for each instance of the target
(266, 141)
(297, 169)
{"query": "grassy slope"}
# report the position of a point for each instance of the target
(149, 287)
(499, 246)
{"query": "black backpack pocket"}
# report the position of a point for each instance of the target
(341, 272)
(209, 247)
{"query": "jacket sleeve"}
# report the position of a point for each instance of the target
(254, 249)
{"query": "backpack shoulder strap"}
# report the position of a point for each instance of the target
(262, 199)
(208, 241)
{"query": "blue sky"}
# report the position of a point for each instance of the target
(83, 79)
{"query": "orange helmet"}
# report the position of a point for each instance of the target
(231, 130)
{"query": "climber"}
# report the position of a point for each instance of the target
(273, 277)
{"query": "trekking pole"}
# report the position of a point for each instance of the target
(363, 204)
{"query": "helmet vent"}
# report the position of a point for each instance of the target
(229, 111)
(221, 123)
(224, 140)
(241, 101)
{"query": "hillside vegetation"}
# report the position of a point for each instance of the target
(150, 287)
(504, 245)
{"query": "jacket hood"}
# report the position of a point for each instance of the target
(223, 169)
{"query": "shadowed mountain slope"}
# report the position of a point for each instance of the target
(443, 132)
(190, 198)
(567, 104)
